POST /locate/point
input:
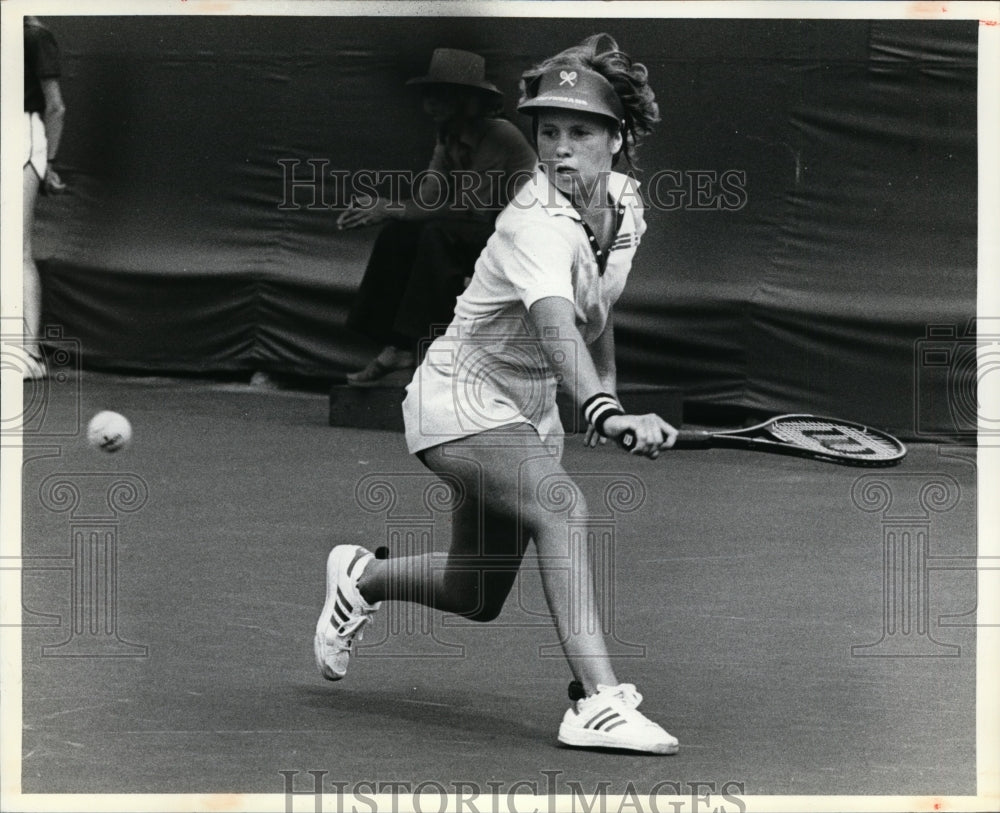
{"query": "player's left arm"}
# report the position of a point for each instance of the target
(553, 321)
(602, 353)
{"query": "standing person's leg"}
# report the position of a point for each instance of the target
(516, 471)
(31, 281)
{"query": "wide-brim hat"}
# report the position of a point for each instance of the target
(575, 88)
(450, 66)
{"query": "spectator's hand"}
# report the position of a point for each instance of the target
(364, 212)
(53, 185)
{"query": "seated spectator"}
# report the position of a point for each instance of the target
(425, 254)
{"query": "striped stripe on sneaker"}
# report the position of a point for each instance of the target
(609, 719)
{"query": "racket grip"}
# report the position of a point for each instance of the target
(686, 438)
(692, 439)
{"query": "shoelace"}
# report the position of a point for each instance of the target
(351, 629)
(626, 693)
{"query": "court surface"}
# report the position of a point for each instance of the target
(743, 590)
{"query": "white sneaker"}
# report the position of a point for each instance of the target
(609, 719)
(345, 612)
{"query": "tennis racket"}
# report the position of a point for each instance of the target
(827, 439)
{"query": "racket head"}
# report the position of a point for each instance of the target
(836, 440)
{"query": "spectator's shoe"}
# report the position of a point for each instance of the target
(35, 369)
(609, 719)
(263, 380)
(388, 361)
(345, 612)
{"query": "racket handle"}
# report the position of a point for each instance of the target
(686, 438)
(692, 439)
(627, 440)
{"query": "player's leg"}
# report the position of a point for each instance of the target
(504, 474)
(524, 490)
(473, 579)
(604, 714)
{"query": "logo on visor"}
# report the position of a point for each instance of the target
(567, 78)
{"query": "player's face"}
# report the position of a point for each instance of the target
(577, 149)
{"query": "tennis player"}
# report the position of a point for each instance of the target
(481, 408)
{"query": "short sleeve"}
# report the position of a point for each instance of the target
(46, 54)
(640, 219)
(537, 261)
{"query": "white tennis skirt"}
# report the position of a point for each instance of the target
(463, 388)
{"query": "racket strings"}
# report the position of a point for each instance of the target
(826, 437)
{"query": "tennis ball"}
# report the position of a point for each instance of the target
(109, 431)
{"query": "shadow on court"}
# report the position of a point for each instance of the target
(802, 628)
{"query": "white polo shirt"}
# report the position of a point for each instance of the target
(487, 370)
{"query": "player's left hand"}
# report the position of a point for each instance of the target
(592, 437)
(652, 433)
